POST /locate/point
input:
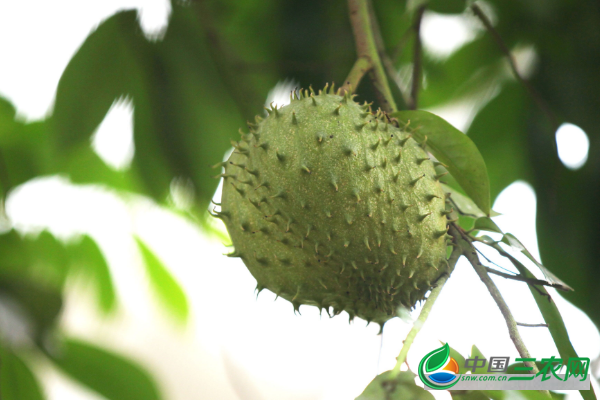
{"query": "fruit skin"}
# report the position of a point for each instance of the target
(332, 206)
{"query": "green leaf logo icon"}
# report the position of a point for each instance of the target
(437, 358)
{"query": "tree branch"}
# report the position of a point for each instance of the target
(367, 48)
(469, 252)
(513, 66)
(416, 78)
(418, 324)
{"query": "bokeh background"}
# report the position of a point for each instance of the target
(113, 283)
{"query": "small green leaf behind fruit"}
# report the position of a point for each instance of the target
(486, 224)
(453, 148)
(402, 387)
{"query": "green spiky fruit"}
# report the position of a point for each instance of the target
(330, 205)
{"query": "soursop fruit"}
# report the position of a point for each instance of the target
(333, 206)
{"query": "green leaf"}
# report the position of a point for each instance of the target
(25, 152)
(486, 224)
(447, 6)
(460, 360)
(32, 273)
(165, 285)
(454, 149)
(105, 67)
(520, 395)
(475, 352)
(463, 204)
(500, 142)
(468, 395)
(89, 258)
(17, 382)
(402, 387)
(513, 242)
(184, 115)
(109, 374)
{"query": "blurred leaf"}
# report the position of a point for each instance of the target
(41, 304)
(475, 352)
(84, 165)
(471, 69)
(499, 130)
(32, 273)
(460, 360)
(88, 257)
(403, 387)
(513, 242)
(41, 259)
(25, 150)
(184, 114)
(454, 149)
(109, 374)
(104, 68)
(520, 395)
(447, 6)
(486, 224)
(468, 395)
(503, 395)
(165, 285)
(17, 382)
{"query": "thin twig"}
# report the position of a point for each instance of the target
(416, 78)
(418, 324)
(366, 47)
(469, 252)
(532, 325)
(524, 279)
(513, 66)
(531, 281)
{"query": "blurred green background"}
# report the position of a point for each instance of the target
(195, 85)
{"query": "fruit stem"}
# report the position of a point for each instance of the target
(361, 66)
(366, 48)
(456, 253)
